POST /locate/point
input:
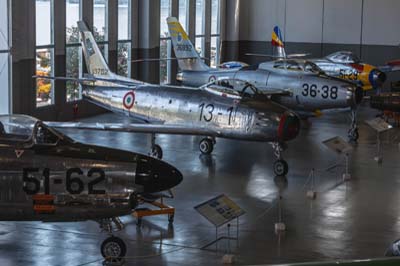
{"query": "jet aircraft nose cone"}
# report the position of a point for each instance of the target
(155, 175)
(289, 126)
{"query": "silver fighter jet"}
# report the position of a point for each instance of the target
(343, 64)
(304, 87)
(46, 176)
(211, 111)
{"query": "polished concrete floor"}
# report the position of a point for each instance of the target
(348, 220)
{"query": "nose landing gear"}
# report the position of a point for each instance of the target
(156, 151)
(113, 249)
(281, 167)
(353, 131)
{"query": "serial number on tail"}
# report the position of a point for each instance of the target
(100, 71)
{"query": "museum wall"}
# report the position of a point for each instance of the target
(319, 27)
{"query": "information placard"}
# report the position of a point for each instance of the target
(219, 210)
(379, 124)
(338, 145)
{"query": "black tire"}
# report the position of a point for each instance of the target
(156, 152)
(281, 168)
(113, 248)
(206, 146)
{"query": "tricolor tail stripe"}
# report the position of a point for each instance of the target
(277, 39)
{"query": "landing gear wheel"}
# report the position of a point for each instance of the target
(281, 168)
(353, 135)
(113, 249)
(156, 152)
(206, 146)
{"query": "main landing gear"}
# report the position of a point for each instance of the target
(353, 131)
(281, 167)
(113, 249)
(206, 145)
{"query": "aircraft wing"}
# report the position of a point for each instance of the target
(65, 78)
(275, 56)
(92, 79)
(134, 128)
(167, 59)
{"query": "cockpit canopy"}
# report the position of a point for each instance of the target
(344, 57)
(298, 65)
(26, 129)
(232, 88)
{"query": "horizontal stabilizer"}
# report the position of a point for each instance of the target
(168, 59)
(276, 56)
(90, 78)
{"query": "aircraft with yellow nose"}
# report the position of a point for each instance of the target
(343, 64)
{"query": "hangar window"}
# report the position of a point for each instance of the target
(73, 49)
(100, 25)
(215, 32)
(165, 42)
(124, 38)
(4, 58)
(183, 14)
(200, 27)
(44, 52)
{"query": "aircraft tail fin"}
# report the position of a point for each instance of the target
(95, 62)
(278, 47)
(188, 58)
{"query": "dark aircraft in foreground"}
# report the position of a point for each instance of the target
(308, 89)
(212, 111)
(46, 176)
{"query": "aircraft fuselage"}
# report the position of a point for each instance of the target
(196, 110)
(309, 92)
(74, 182)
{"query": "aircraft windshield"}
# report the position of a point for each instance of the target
(298, 65)
(45, 136)
(293, 65)
(312, 68)
(233, 88)
(19, 128)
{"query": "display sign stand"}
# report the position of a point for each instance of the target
(280, 226)
(311, 193)
(380, 126)
(227, 237)
(221, 211)
(341, 147)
